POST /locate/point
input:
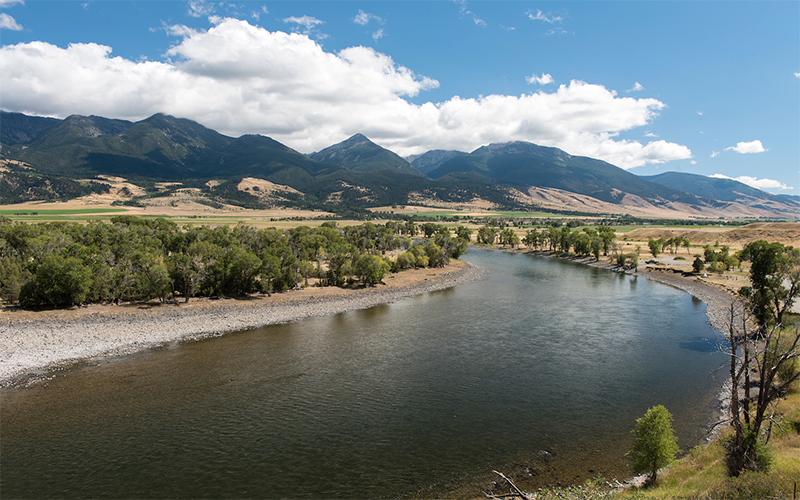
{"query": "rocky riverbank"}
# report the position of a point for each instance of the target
(31, 344)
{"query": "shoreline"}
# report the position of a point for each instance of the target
(32, 344)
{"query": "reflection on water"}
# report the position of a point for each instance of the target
(542, 365)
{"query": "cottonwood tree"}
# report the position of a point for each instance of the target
(760, 343)
(655, 445)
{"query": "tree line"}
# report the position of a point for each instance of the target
(136, 259)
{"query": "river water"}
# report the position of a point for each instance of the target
(538, 369)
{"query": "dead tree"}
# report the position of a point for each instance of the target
(769, 354)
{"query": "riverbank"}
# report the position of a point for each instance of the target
(32, 344)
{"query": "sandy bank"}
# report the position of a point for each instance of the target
(33, 342)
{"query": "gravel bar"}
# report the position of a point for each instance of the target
(31, 347)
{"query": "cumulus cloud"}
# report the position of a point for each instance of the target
(238, 78)
(545, 79)
(714, 154)
(538, 15)
(378, 34)
(747, 147)
(755, 182)
(797, 75)
(9, 3)
(9, 23)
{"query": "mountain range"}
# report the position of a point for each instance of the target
(354, 173)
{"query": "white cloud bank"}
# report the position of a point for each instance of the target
(755, 182)
(747, 147)
(238, 78)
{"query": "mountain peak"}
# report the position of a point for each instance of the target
(360, 154)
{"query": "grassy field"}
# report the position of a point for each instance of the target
(72, 211)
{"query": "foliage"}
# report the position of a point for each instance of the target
(132, 259)
(772, 264)
(761, 345)
(655, 445)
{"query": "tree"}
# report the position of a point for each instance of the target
(655, 246)
(760, 344)
(509, 237)
(772, 265)
(371, 269)
(531, 239)
(464, 232)
(487, 235)
(655, 445)
(698, 265)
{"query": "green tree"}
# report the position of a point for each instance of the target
(12, 276)
(509, 237)
(772, 265)
(608, 236)
(698, 265)
(58, 281)
(371, 269)
(487, 234)
(769, 349)
(655, 246)
(654, 445)
(464, 232)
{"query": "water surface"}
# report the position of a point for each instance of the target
(541, 366)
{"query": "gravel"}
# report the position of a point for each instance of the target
(29, 348)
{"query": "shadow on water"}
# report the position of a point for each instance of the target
(539, 369)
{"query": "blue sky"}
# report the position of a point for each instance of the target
(708, 87)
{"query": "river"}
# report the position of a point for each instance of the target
(540, 368)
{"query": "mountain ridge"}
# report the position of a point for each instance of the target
(357, 172)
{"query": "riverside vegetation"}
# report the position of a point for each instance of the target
(136, 259)
(756, 455)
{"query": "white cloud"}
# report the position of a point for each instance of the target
(363, 18)
(180, 30)
(714, 154)
(9, 23)
(538, 15)
(257, 15)
(378, 34)
(650, 134)
(797, 75)
(755, 182)
(747, 147)
(200, 8)
(462, 9)
(238, 78)
(545, 79)
(9, 3)
(700, 113)
(307, 21)
(693, 162)
(637, 87)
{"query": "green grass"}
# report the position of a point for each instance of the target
(73, 211)
(503, 214)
